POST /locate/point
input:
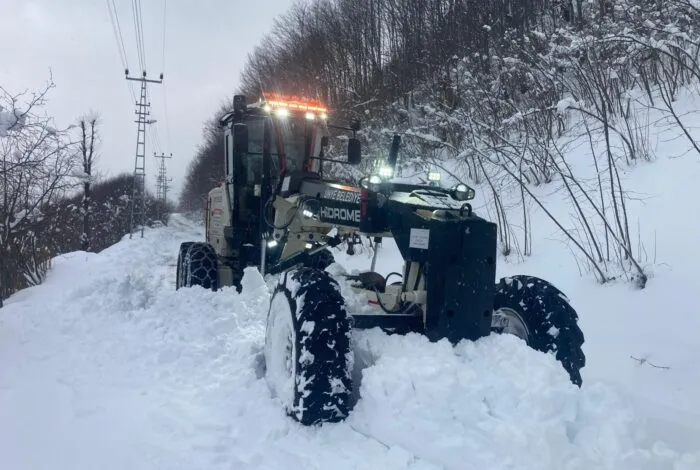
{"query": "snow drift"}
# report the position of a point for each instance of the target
(106, 366)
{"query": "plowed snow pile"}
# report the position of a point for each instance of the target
(107, 366)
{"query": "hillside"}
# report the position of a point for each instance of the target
(105, 365)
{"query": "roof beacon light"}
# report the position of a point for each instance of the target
(294, 103)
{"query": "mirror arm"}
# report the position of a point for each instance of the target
(344, 162)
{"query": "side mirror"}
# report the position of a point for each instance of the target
(324, 141)
(394, 150)
(239, 103)
(354, 151)
(240, 138)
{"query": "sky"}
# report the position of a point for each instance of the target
(72, 41)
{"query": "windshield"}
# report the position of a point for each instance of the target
(293, 132)
(294, 136)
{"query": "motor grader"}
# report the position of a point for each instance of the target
(277, 211)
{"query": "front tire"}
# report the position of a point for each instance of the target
(308, 359)
(537, 312)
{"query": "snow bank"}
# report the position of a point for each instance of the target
(107, 366)
(10, 120)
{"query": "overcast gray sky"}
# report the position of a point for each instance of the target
(206, 43)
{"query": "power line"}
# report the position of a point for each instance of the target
(165, 9)
(138, 30)
(165, 93)
(167, 122)
(155, 135)
(119, 37)
(143, 41)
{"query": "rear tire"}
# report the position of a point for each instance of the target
(180, 270)
(538, 312)
(199, 266)
(308, 359)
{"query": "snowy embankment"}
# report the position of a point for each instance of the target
(106, 366)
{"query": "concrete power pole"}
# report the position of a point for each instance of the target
(162, 186)
(138, 197)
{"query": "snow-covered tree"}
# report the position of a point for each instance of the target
(36, 161)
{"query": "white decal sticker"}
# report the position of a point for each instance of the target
(336, 213)
(419, 238)
(285, 183)
(344, 196)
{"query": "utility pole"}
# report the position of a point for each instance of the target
(138, 196)
(162, 186)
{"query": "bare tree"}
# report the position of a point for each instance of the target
(88, 135)
(37, 160)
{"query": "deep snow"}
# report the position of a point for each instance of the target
(106, 366)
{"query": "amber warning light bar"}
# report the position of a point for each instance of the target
(283, 103)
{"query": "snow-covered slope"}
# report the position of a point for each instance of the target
(107, 366)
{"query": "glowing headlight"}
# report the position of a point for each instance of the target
(267, 108)
(282, 112)
(307, 213)
(386, 172)
(434, 176)
(324, 116)
(374, 182)
(462, 192)
(272, 243)
(309, 246)
(310, 116)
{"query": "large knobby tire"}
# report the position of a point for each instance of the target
(539, 313)
(308, 360)
(199, 267)
(180, 270)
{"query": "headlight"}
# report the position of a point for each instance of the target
(386, 172)
(462, 192)
(310, 116)
(272, 243)
(374, 183)
(434, 176)
(282, 112)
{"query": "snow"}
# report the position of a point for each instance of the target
(106, 366)
(10, 120)
(565, 104)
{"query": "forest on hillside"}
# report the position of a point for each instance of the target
(52, 198)
(485, 91)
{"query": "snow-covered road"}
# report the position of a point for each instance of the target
(106, 366)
